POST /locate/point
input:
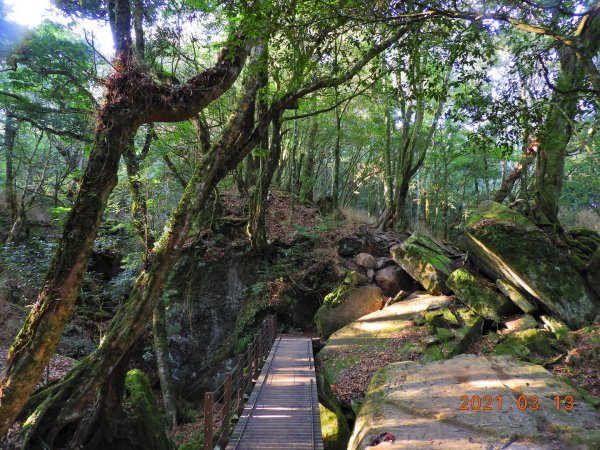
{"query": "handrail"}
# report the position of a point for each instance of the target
(228, 399)
(254, 404)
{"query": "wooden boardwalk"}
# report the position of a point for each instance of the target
(283, 410)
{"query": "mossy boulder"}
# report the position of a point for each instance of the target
(534, 345)
(150, 427)
(505, 244)
(346, 304)
(426, 261)
(479, 294)
(421, 406)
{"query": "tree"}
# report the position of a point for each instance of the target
(131, 98)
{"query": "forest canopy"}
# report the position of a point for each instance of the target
(405, 115)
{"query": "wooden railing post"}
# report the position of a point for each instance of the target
(256, 357)
(250, 368)
(208, 421)
(226, 407)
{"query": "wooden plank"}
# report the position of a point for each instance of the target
(283, 409)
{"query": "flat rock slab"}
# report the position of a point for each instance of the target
(372, 334)
(379, 324)
(421, 406)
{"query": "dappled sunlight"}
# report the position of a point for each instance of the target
(503, 267)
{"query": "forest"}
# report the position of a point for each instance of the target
(412, 185)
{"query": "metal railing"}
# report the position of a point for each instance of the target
(227, 401)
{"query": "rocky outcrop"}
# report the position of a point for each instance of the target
(473, 402)
(426, 261)
(346, 304)
(505, 244)
(205, 304)
(479, 294)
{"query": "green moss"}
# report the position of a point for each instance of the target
(449, 316)
(338, 296)
(499, 213)
(433, 353)
(334, 426)
(335, 365)
(524, 343)
(478, 294)
(422, 246)
(149, 420)
(444, 334)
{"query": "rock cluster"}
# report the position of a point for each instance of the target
(511, 277)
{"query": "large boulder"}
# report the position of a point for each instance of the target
(346, 304)
(505, 244)
(479, 294)
(474, 402)
(392, 279)
(426, 261)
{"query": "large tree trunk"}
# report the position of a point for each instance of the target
(308, 176)
(335, 189)
(66, 403)
(139, 211)
(557, 130)
(258, 203)
(554, 139)
(37, 340)
(161, 351)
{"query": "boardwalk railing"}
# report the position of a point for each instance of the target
(227, 401)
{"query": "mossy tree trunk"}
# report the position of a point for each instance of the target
(139, 211)
(160, 345)
(308, 176)
(554, 139)
(37, 340)
(556, 133)
(58, 418)
(131, 98)
(258, 204)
